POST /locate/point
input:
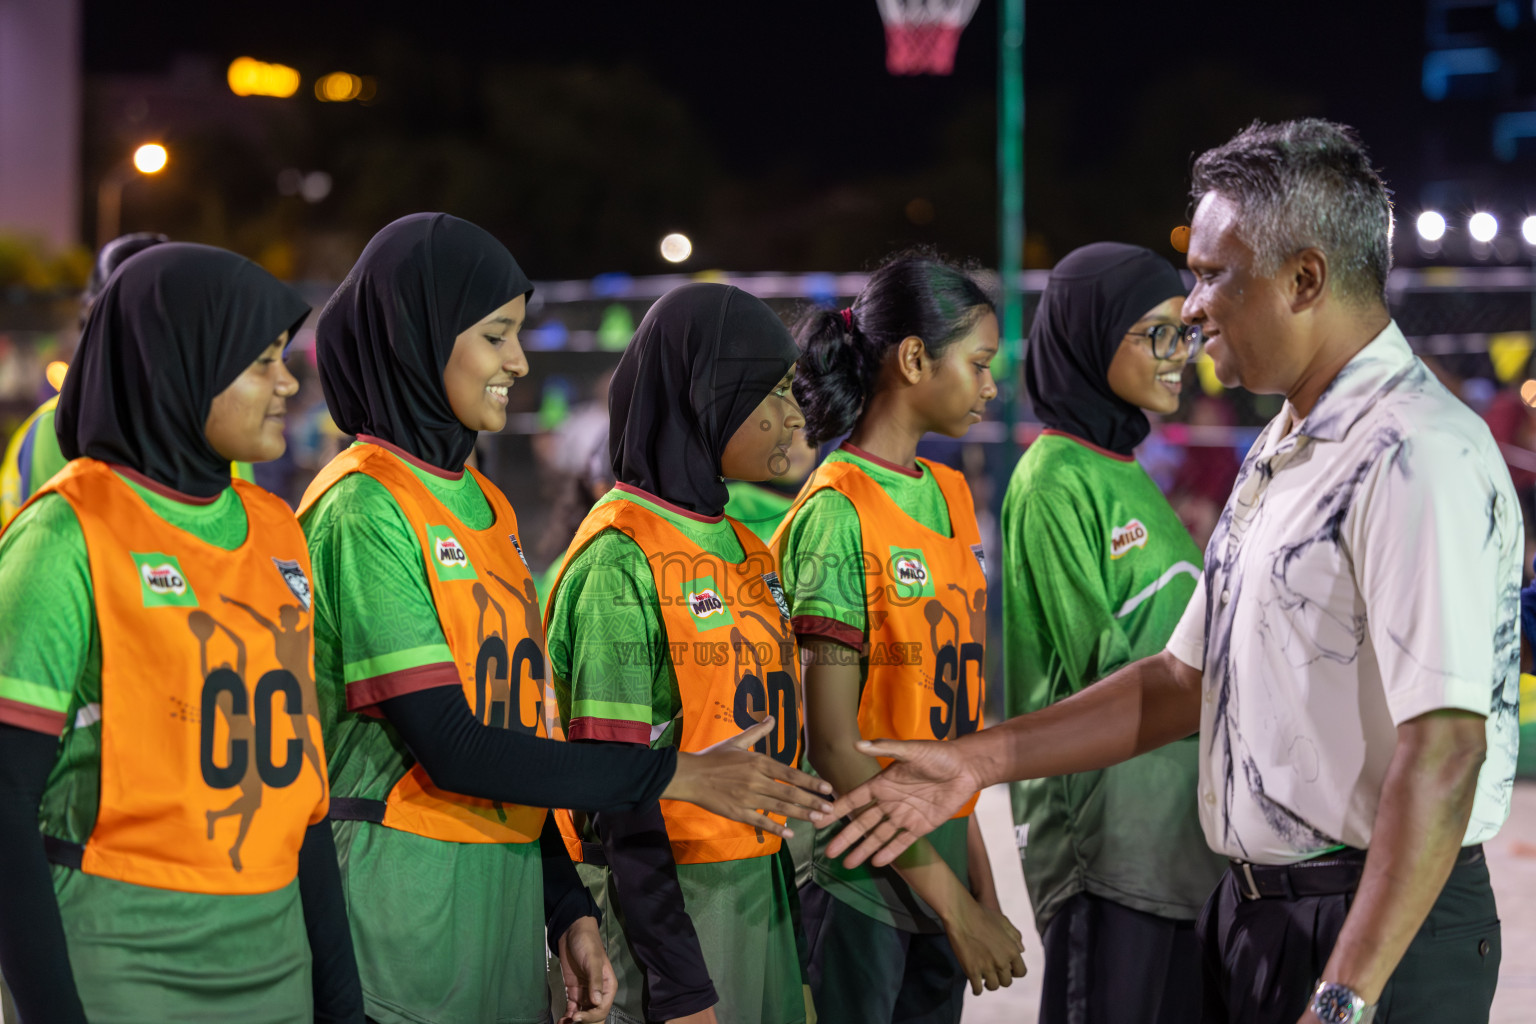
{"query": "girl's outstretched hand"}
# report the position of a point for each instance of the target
(734, 782)
(928, 783)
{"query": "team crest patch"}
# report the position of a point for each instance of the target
(1123, 539)
(777, 590)
(161, 581)
(447, 555)
(705, 604)
(293, 575)
(516, 544)
(909, 571)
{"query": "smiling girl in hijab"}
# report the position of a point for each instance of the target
(1097, 570)
(430, 657)
(667, 630)
(160, 744)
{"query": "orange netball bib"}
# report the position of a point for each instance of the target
(731, 647)
(489, 612)
(926, 601)
(211, 758)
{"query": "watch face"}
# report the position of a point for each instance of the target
(1334, 1004)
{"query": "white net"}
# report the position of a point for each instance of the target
(921, 35)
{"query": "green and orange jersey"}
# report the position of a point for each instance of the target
(33, 455)
(616, 679)
(423, 955)
(51, 680)
(839, 559)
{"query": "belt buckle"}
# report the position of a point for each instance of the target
(1252, 892)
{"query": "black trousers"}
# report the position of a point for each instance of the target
(1264, 957)
(1108, 964)
(866, 972)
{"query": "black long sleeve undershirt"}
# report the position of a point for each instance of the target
(565, 898)
(463, 756)
(338, 990)
(33, 954)
(656, 921)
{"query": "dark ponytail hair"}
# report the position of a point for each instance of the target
(840, 356)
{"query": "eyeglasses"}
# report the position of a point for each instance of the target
(1167, 339)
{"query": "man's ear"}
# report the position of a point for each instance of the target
(912, 359)
(1309, 281)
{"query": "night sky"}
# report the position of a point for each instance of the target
(1120, 94)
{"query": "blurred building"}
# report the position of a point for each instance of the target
(40, 119)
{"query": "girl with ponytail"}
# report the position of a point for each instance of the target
(882, 568)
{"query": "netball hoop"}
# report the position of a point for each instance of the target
(921, 35)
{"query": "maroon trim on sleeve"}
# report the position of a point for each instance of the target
(365, 693)
(819, 627)
(611, 730)
(32, 718)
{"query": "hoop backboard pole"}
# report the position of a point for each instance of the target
(1010, 208)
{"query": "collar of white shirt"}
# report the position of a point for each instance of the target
(1364, 379)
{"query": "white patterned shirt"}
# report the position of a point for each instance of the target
(1366, 570)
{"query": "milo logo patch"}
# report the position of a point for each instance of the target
(705, 604)
(161, 582)
(450, 554)
(1123, 539)
(447, 555)
(163, 579)
(909, 573)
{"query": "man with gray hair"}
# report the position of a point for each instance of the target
(1351, 656)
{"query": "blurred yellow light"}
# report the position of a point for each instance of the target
(338, 87)
(250, 77)
(55, 374)
(150, 158)
(676, 248)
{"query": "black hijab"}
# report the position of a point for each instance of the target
(1093, 297)
(174, 326)
(383, 340)
(702, 359)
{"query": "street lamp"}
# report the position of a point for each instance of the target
(150, 158)
(1431, 226)
(676, 247)
(1483, 227)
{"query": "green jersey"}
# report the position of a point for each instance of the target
(614, 680)
(444, 932)
(822, 569)
(756, 507)
(121, 936)
(1097, 571)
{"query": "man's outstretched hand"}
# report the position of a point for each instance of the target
(926, 785)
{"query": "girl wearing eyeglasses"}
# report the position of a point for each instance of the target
(1097, 571)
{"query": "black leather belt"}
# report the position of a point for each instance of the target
(1331, 874)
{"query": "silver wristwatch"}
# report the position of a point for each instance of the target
(1339, 1004)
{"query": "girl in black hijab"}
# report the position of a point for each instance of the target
(430, 658)
(1098, 570)
(192, 876)
(666, 630)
